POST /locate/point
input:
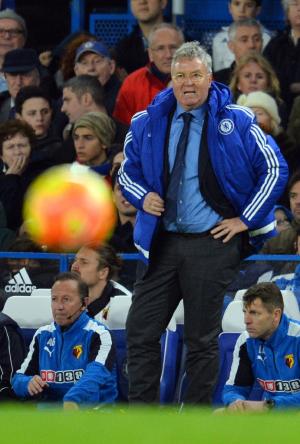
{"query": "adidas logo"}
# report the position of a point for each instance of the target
(20, 283)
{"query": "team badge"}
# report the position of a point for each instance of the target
(77, 351)
(289, 360)
(88, 45)
(226, 126)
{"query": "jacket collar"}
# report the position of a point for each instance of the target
(279, 334)
(77, 324)
(219, 96)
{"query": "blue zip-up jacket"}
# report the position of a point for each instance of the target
(274, 364)
(248, 165)
(78, 363)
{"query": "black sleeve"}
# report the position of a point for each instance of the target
(31, 365)
(108, 345)
(12, 354)
(244, 375)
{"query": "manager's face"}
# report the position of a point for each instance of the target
(191, 82)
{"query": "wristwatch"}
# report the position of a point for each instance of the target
(270, 404)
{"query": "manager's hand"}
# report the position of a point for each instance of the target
(228, 228)
(153, 204)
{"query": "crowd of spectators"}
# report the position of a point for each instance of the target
(77, 109)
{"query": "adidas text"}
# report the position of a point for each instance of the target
(19, 288)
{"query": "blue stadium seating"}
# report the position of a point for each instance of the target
(200, 16)
(169, 343)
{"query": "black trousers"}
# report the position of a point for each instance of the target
(193, 268)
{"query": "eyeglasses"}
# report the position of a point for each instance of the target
(11, 32)
(163, 48)
(194, 77)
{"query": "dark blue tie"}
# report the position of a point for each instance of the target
(175, 177)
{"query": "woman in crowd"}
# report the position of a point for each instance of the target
(254, 73)
(17, 171)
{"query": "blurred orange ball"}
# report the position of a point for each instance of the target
(66, 209)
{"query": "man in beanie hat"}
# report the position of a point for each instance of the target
(13, 34)
(93, 133)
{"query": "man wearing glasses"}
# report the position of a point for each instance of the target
(13, 33)
(141, 86)
(202, 175)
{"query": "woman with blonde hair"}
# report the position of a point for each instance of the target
(253, 72)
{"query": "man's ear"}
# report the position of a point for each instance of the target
(86, 99)
(112, 66)
(103, 273)
(277, 314)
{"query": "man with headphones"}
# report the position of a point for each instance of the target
(71, 360)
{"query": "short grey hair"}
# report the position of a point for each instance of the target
(164, 25)
(285, 5)
(250, 22)
(190, 51)
(12, 15)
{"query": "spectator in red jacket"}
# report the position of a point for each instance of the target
(141, 86)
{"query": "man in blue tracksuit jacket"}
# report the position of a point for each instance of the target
(268, 352)
(201, 174)
(73, 359)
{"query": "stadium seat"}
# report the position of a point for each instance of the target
(121, 287)
(117, 313)
(233, 318)
(227, 343)
(41, 292)
(291, 307)
(29, 312)
(265, 277)
(179, 314)
(116, 320)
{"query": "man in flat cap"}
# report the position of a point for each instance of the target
(21, 68)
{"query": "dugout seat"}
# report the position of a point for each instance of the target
(291, 307)
(41, 292)
(116, 320)
(30, 313)
(233, 318)
(227, 343)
